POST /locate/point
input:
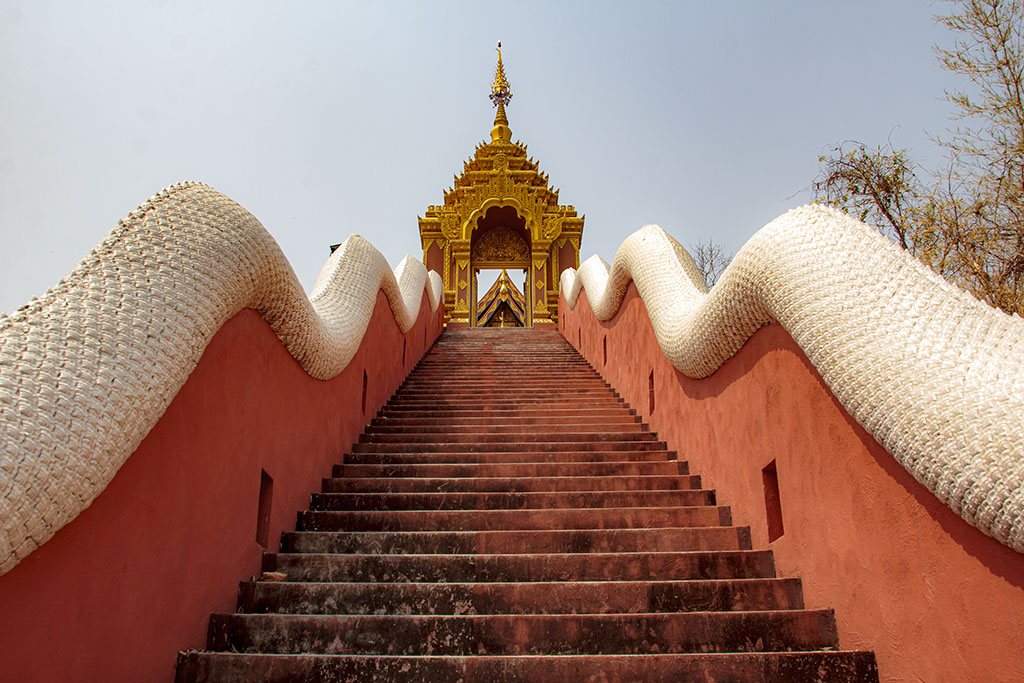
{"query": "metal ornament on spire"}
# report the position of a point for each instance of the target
(501, 89)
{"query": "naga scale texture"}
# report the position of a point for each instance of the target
(87, 369)
(935, 376)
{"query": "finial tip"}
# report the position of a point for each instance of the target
(501, 89)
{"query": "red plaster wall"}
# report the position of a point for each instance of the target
(132, 580)
(935, 598)
(567, 258)
(435, 258)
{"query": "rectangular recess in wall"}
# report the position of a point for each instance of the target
(579, 339)
(364, 392)
(650, 394)
(772, 501)
(263, 509)
(604, 350)
(403, 351)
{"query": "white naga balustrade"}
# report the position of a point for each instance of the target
(936, 376)
(87, 369)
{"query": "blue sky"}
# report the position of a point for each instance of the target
(330, 118)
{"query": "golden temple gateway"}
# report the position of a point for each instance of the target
(501, 213)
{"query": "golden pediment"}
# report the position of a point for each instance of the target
(500, 245)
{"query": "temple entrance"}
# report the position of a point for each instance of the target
(501, 242)
(501, 213)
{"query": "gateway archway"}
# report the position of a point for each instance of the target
(500, 241)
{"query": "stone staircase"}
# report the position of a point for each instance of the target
(507, 517)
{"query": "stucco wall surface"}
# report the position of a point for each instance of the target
(936, 599)
(133, 579)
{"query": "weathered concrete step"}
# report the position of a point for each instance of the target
(570, 597)
(467, 363)
(391, 455)
(466, 520)
(623, 425)
(521, 541)
(613, 417)
(546, 379)
(496, 484)
(434, 470)
(521, 447)
(774, 667)
(511, 412)
(530, 352)
(549, 346)
(521, 396)
(498, 500)
(524, 396)
(641, 566)
(588, 396)
(444, 370)
(467, 369)
(539, 372)
(484, 405)
(509, 392)
(525, 634)
(520, 436)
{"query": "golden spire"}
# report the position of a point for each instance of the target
(501, 93)
(501, 89)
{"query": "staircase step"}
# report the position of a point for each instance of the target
(576, 597)
(725, 564)
(765, 631)
(599, 399)
(371, 454)
(467, 423)
(516, 448)
(578, 379)
(537, 391)
(629, 435)
(582, 483)
(774, 667)
(624, 468)
(540, 500)
(511, 411)
(520, 541)
(604, 428)
(473, 419)
(460, 520)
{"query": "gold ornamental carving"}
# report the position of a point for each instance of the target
(501, 245)
(450, 227)
(552, 228)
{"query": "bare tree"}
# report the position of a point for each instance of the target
(711, 260)
(877, 186)
(967, 222)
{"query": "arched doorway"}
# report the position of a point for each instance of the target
(500, 240)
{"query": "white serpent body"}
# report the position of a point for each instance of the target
(936, 376)
(87, 369)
